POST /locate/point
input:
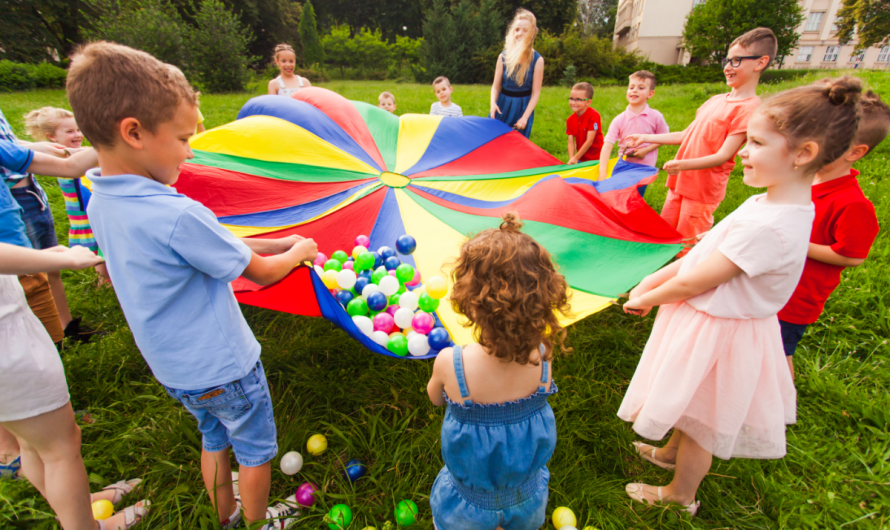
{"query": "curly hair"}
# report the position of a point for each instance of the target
(507, 285)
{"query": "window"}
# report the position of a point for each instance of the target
(837, 20)
(805, 54)
(884, 56)
(814, 22)
(831, 54)
(858, 57)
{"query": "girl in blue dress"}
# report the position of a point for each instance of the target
(499, 431)
(519, 75)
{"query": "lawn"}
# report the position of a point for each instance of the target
(375, 408)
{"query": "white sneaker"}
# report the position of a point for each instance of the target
(235, 482)
(284, 514)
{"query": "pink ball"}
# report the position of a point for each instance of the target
(392, 310)
(362, 241)
(423, 322)
(306, 494)
(347, 265)
(393, 273)
(415, 281)
(383, 322)
(320, 259)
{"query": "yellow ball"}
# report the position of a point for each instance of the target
(357, 251)
(590, 528)
(563, 516)
(102, 510)
(436, 287)
(369, 528)
(317, 444)
(330, 279)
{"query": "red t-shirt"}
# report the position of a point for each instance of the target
(846, 220)
(579, 127)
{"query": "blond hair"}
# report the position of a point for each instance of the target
(108, 82)
(386, 95)
(518, 55)
(759, 41)
(42, 123)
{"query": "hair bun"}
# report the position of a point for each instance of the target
(844, 90)
(511, 222)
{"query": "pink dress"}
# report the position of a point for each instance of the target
(714, 366)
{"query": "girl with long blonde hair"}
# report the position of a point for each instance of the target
(519, 75)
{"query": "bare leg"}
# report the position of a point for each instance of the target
(217, 472)
(254, 484)
(668, 453)
(59, 296)
(693, 463)
(9, 446)
(790, 359)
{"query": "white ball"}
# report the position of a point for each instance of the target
(380, 337)
(370, 288)
(291, 463)
(410, 334)
(403, 317)
(418, 345)
(319, 270)
(346, 279)
(364, 324)
(408, 300)
(568, 527)
(389, 285)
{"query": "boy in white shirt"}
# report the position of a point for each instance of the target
(444, 107)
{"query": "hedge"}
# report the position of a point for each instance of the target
(15, 76)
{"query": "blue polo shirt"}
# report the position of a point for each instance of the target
(171, 263)
(13, 158)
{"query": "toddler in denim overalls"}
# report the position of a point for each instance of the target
(496, 452)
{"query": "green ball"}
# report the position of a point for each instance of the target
(394, 299)
(378, 275)
(333, 264)
(398, 344)
(427, 303)
(406, 513)
(402, 288)
(340, 256)
(357, 307)
(341, 515)
(405, 273)
(364, 261)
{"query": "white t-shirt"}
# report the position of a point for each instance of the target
(436, 109)
(769, 242)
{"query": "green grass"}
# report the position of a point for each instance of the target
(375, 408)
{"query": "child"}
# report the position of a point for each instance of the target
(584, 126)
(638, 118)
(387, 102)
(287, 81)
(58, 126)
(697, 177)
(713, 368)
(499, 431)
(444, 107)
(519, 75)
(844, 229)
(171, 263)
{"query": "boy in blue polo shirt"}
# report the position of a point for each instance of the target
(171, 262)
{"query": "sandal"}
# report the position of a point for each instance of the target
(132, 515)
(122, 488)
(647, 453)
(637, 492)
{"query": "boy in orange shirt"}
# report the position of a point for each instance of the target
(697, 178)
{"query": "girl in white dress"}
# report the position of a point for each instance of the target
(287, 83)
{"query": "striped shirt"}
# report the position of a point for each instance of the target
(436, 109)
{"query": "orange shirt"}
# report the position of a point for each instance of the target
(714, 121)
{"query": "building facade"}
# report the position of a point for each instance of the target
(655, 29)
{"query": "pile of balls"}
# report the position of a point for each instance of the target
(385, 297)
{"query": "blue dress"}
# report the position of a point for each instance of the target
(496, 458)
(513, 99)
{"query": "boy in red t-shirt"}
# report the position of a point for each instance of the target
(584, 127)
(843, 231)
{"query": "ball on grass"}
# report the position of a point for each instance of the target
(406, 513)
(317, 444)
(306, 494)
(102, 510)
(291, 463)
(563, 516)
(341, 515)
(355, 470)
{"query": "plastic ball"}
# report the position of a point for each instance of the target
(402, 289)
(392, 310)
(333, 265)
(563, 516)
(406, 244)
(306, 494)
(368, 289)
(393, 274)
(406, 513)
(320, 259)
(291, 463)
(590, 528)
(329, 278)
(378, 259)
(376, 301)
(358, 250)
(386, 252)
(410, 333)
(389, 285)
(357, 307)
(364, 324)
(437, 287)
(398, 344)
(340, 256)
(102, 510)
(317, 444)
(439, 338)
(346, 279)
(360, 284)
(405, 273)
(427, 303)
(382, 322)
(355, 470)
(379, 275)
(422, 322)
(403, 317)
(392, 263)
(318, 270)
(414, 281)
(568, 528)
(344, 297)
(380, 337)
(408, 301)
(362, 240)
(394, 299)
(364, 261)
(418, 344)
(341, 516)
(349, 265)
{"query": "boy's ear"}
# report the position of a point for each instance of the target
(131, 132)
(856, 153)
(762, 64)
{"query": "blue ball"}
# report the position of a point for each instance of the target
(367, 273)
(386, 252)
(439, 338)
(378, 259)
(355, 470)
(377, 301)
(392, 263)
(344, 297)
(361, 282)
(406, 244)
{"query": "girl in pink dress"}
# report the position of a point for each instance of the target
(714, 369)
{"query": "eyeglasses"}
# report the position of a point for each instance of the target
(737, 61)
(576, 100)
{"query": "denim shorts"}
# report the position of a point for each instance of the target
(237, 415)
(791, 335)
(37, 215)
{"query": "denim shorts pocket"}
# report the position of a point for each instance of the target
(226, 402)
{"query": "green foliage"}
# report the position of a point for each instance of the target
(712, 26)
(570, 76)
(597, 17)
(440, 42)
(14, 76)
(35, 30)
(218, 49)
(552, 15)
(313, 52)
(591, 56)
(870, 17)
(269, 21)
(392, 17)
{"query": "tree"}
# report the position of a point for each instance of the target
(552, 15)
(270, 22)
(31, 30)
(313, 52)
(870, 17)
(492, 24)
(392, 17)
(597, 17)
(468, 26)
(339, 48)
(712, 26)
(440, 41)
(218, 48)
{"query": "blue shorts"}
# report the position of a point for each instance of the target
(237, 415)
(791, 335)
(455, 509)
(37, 215)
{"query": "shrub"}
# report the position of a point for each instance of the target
(218, 49)
(47, 75)
(570, 76)
(313, 52)
(14, 76)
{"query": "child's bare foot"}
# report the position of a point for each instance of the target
(126, 518)
(116, 492)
